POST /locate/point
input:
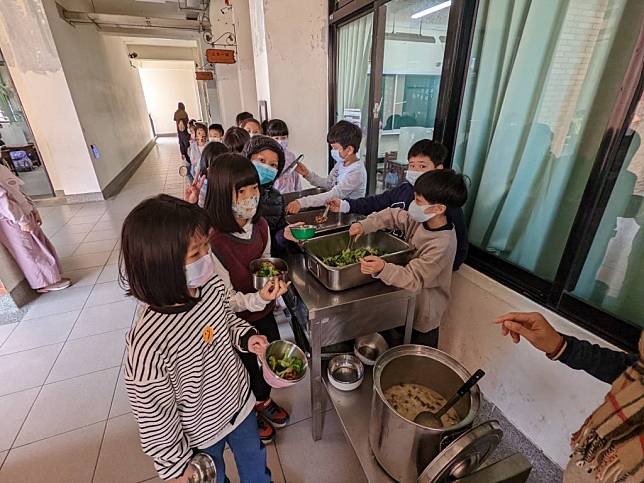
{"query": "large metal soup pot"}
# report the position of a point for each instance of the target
(402, 447)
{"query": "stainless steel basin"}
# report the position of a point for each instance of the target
(335, 221)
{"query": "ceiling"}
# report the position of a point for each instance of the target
(142, 8)
(159, 42)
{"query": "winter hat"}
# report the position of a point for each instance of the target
(260, 143)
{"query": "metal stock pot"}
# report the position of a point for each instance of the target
(403, 448)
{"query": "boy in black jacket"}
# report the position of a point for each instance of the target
(425, 155)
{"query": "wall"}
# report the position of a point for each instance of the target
(546, 400)
(165, 52)
(164, 84)
(106, 91)
(33, 60)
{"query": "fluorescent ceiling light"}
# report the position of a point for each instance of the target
(433, 9)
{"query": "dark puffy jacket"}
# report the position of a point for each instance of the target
(271, 208)
(401, 197)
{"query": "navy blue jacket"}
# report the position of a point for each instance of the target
(401, 197)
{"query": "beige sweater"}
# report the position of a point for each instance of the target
(429, 271)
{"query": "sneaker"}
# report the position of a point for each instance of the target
(265, 430)
(62, 284)
(276, 415)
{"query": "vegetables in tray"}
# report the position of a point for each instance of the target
(289, 368)
(350, 256)
(267, 269)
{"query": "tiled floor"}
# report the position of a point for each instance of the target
(64, 412)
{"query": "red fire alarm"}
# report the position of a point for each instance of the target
(204, 75)
(220, 56)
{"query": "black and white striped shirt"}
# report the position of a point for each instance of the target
(186, 384)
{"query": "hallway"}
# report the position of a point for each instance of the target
(65, 414)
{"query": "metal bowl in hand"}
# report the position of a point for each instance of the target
(277, 354)
(259, 270)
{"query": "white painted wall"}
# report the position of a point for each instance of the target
(106, 91)
(165, 83)
(33, 60)
(546, 400)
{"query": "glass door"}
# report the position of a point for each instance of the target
(18, 149)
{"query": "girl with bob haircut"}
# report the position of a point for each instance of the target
(235, 138)
(184, 347)
(240, 236)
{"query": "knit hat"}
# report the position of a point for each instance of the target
(260, 143)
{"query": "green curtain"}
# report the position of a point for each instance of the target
(523, 197)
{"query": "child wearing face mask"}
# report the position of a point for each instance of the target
(347, 179)
(286, 183)
(170, 374)
(425, 155)
(425, 226)
(196, 148)
(215, 133)
(240, 236)
(252, 127)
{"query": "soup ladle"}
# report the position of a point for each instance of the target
(433, 420)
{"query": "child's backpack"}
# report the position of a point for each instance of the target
(21, 161)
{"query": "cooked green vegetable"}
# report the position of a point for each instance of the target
(289, 368)
(349, 257)
(267, 269)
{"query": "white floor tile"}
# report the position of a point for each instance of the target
(89, 354)
(305, 460)
(297, 400)
(86, 260)
(95, 246)
(58, 302)
(114, 257)
(79, 219)
(65, 238)
(66, 458)
(84, 276)
(68, 405)
(106, 293)
(27, 369)
(98, 235)
(104, 318)
(14, 409)
(120, 403)
(110, 273)
(76, 228)
(5, 331)
(32, 333)
(64, 251)
(3, 455)
(121, 458)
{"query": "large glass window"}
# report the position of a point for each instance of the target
(544, 77)
(613, 276)
(414, 46)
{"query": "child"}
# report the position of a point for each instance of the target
(268, 158)
(252, 126)
(181, 351)
(212, 150)
(426, 228)
(196, 148)
(241, 117)
(235, 138)
(215, 133)
(184, 143)
(286, 183)
(348, 178)
(425, 155)
(22, 236)
(240, 236)
(191, 129)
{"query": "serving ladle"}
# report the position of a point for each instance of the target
(433, 420)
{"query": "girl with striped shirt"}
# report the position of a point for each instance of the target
(185, 381)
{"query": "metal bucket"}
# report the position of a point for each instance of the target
(402, 447)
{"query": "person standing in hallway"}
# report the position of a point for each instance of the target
(180, 114)
(184, 142)
(196, 148)
(22, 236)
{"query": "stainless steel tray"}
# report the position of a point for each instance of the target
(350, 276)
(296, 195)
(335, 221)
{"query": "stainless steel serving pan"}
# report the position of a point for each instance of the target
(296, 195)
(335, 221)
(343, 278)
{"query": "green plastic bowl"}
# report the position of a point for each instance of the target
(304, 232)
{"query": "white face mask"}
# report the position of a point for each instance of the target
(199, 272)
(247, 208)
(214, 140)
(417, 212)
(283, 143)
(412, 176)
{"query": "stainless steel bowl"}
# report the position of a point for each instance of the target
(368, 348)
(260, 282)
(345, 372)
(281, 349)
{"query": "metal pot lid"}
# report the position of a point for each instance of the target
(464, 455)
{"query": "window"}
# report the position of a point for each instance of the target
(543, 83)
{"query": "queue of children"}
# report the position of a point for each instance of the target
(193, 374)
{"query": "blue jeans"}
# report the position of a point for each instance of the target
(249, 452)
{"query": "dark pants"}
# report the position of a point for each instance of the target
(395, 337)
(266, 326)
(248, 450)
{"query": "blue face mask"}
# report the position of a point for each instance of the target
(267, 174)
(335, 154)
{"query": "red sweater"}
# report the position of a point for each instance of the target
(236, 254)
